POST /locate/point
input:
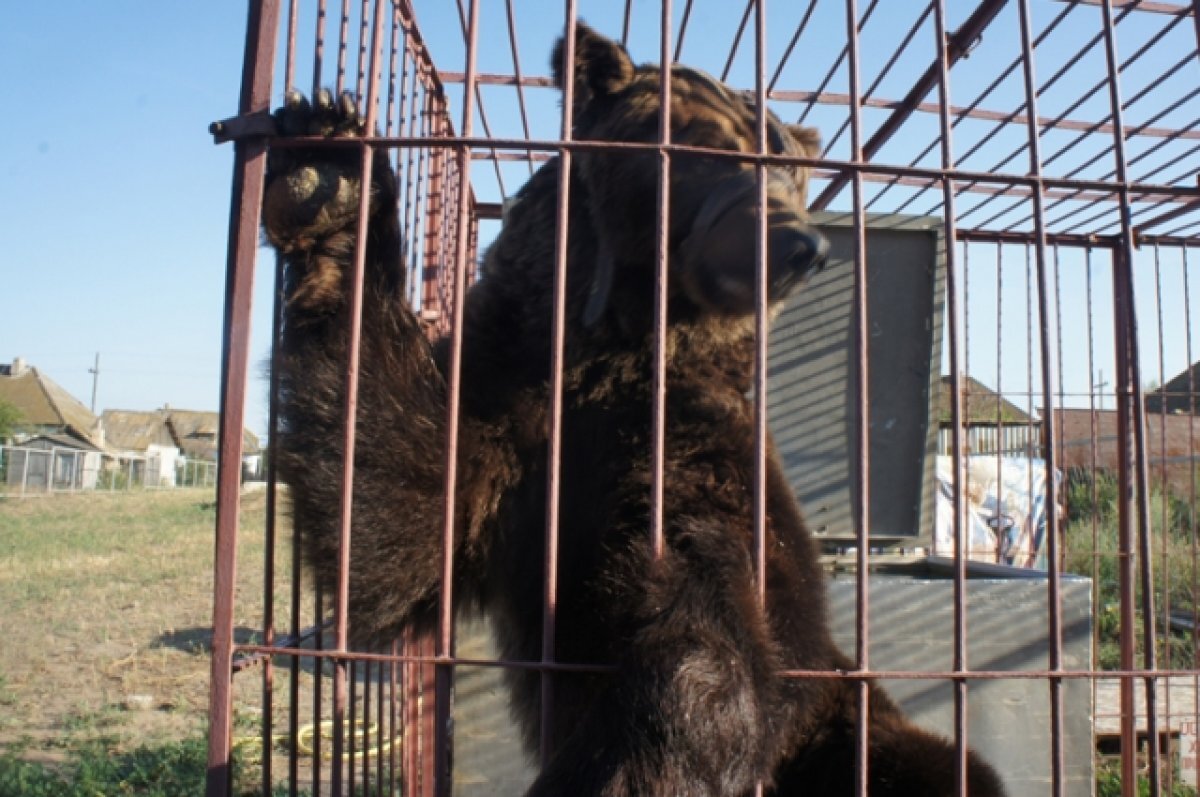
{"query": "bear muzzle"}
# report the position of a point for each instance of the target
(717, 260)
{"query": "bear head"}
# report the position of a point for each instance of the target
(712, 223)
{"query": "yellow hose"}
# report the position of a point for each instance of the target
(306, 736)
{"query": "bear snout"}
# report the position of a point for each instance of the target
(717, 259)
(796, 252)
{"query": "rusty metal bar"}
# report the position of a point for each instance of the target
(883, 73)
(1151, 6)
(761, 308)
(1053, 597)
(1192, 475)
(558, 343)
(1136, 416)
(350, 419)
(478, 98)
(960, 112)
(787, 52)
(737, 40)
(516, 60)
(289, 71)
(445, 636)
(319, 47)
(269, 540)
(1164, 503)
(956, 410)
(683, 23)
(837, 63)
(762, 320)
(958, 45)
(946, 674)
(248, 178)
(658, 431)
(862, 505)
(343, 44)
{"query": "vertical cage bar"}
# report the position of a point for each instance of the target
(343, 43)
(554, 465)
(1126, 519)
(1053, 596)
(318, 686)
(269, 541)
(248, 178)
(1139, 503)
(762, 310)
(862, 509)
(350, 415)
(319, 47)
(1192, 480)
(659, 408)
(952, 312)
(443, 671)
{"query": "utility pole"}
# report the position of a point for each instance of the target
(95, 372)
(1100, 387)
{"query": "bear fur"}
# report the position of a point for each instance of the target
(697, 705)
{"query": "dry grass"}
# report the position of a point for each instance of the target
(107, 605)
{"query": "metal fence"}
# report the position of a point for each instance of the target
(27, 471)
(1053, 145)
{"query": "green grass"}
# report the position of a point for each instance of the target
(173, 769)
(1091, 549)
(111, 597)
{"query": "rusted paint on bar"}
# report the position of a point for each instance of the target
(248, 177)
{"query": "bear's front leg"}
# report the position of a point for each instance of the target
(311, 215)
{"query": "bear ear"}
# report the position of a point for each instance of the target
(809, 139)
(602, 66)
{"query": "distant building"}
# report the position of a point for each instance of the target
(992, 423)
(46, 408)
(1089, 439)
(166, 437)
(59, 444)
(1178, 396)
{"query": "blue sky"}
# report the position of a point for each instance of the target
(114, 200)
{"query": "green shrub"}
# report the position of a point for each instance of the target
(1091, 549)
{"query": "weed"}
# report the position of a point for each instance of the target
(167, 770)
(1092, 549)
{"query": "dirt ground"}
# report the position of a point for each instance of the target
(107, 606)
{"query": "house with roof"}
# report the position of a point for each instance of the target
(1178, 396)
(991, 422)
(167, 438)
(59, 443)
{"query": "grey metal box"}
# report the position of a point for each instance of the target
(812, 379)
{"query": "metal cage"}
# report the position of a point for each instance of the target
(1059, 175)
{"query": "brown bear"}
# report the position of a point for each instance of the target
(697, 704)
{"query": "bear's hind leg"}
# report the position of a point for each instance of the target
(691, 709)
